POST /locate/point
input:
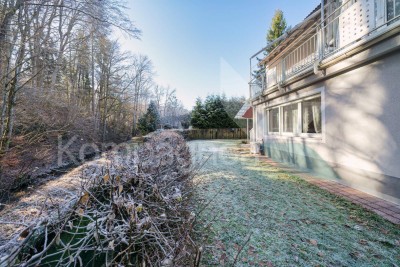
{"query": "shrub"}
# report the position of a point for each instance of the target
(135, 212)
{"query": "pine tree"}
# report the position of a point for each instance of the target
(150, 121)
(277, 29)
(198, 118)
(211, 114)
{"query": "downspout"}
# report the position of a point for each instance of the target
(251, 106)
(322, 12)
(322, 29)
(248, 131)
(250, 81)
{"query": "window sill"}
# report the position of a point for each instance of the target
(312, 138)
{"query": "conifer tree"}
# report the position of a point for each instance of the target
(150, 121)
(198, 118)
(277, 29)
(211, 114)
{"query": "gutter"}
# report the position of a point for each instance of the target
(286, 34)
(358, 47)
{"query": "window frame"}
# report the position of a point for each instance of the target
(279, 120)
(298, 128)
(295, 127)
(386, 5)
(312, 135)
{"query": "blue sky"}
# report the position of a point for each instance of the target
(203, 46)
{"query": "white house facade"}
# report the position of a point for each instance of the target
(327, 99)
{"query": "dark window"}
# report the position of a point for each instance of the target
(311, 116)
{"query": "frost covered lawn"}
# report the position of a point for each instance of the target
(290, 222)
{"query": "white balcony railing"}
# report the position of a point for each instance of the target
(302, 57)
(345, 25)
(256, 89)
(271, 76)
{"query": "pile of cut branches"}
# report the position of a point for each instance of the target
(133, 212)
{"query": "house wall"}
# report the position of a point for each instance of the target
(260, 119)
(360, 145)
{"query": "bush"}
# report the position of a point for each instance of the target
(136, 212)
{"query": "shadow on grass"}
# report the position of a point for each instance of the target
(291, 221)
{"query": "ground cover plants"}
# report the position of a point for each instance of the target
(150, 209)
(259, 215)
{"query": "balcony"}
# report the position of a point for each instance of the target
(346, 25)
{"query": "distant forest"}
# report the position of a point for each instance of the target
(63, 76)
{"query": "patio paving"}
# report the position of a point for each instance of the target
(388, 210)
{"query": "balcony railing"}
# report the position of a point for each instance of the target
(347, 24)
(344, 26)
(302, 57)
(256, 87)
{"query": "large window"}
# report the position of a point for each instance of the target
(311, 115)
(273, 120)
(393, 9)
(301, 117)
(290, 118)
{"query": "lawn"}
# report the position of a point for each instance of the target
(276, 219)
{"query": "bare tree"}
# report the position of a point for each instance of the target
(158, 95)
(47, 47)
(142, 75)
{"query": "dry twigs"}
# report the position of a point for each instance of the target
(240, 249)
(134, 212)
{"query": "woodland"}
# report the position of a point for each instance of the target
(64, 79)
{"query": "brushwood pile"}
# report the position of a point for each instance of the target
(133, 211)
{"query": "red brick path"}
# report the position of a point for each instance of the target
(386, 209)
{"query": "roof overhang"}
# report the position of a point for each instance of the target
(246, 112)
(298, 31)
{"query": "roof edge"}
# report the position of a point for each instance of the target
(287, 34)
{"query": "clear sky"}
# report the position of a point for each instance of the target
(203, 46)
